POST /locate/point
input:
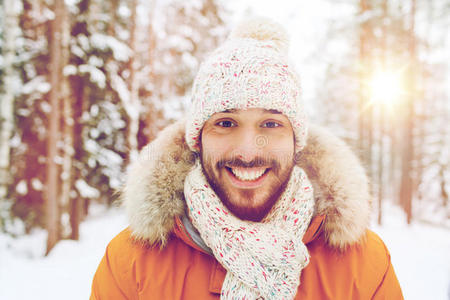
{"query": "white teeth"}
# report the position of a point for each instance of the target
(248, 175)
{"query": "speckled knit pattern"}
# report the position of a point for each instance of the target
(263, 259)
(248, 73)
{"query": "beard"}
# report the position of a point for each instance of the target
(241, 202)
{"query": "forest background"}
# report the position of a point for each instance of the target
(84, 84)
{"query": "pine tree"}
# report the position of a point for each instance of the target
(79, 63)
(31, 107)
(8, 91)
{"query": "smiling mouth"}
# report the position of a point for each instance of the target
(247, 174)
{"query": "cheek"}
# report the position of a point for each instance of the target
(212, 149)
(282, 148)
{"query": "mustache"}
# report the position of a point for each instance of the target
(256, 162)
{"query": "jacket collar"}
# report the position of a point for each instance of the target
(185, 231)
(217, 277)
(154, 190)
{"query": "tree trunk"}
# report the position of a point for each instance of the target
(443, 184)
(68, 122)
(113, 11)
(133, 110)
(394, 129)
(381, 166)
(75, 217)
(79, 106)
(406, 185)
(406, 188)
(52, 182)
(365, 121)
(7, 99)
(382, 120)
(150, 119)
(362, 77)
(76, 212)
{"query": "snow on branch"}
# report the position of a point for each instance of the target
(121, 51)
(96, 75)
(38, 84)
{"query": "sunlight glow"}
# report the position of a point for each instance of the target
(386, 87)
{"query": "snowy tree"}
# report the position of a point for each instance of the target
(433, 145)
(67, 131)
(184, 32)
(31, 108)
(95, 87)
(385, 69)
(128, 90)
(8, 91)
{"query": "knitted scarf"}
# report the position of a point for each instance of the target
(262, 259)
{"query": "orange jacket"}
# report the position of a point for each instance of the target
(182, 270)
(159, 257)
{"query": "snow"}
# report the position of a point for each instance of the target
(96, 75)
(96, 61)
(46, 107)
(48, 14)
(37, 184)
(124, 11)
(69, 70)
(37, 84)
(419, 254)
(75, 49)
(86, 190)
(121, 51)
(71, 2)
(174, 107)
(83, 41)
(67, 272)
(22, 188)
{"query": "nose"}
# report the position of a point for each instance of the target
(247, 146)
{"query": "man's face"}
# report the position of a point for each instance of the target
(247, 157)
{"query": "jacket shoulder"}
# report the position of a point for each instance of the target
(122, 250)
(372, 257)
(357, 272)
(375, 251)
(122, 241)
(374, 242)
(116, 274)
(388, 287)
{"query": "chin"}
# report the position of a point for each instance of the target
(249, 205)
(254, 213)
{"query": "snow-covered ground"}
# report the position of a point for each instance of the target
(420, 254)
(67, 272)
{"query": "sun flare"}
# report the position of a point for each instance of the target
(386, 87)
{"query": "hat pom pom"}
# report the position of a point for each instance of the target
(263, 29)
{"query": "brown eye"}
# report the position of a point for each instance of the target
(226, 124)
(270, 124)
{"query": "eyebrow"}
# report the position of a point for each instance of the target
(273, 111)
(229, 111)
(235, 111)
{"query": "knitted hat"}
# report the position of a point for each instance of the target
(250, 70)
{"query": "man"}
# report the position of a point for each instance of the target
(239, 202)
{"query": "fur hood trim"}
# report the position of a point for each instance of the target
(154, 190)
